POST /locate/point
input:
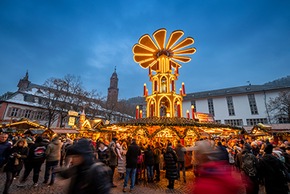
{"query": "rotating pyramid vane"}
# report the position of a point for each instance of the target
(148, 50)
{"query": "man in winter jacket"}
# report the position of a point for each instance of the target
(180, 152)
(5, 146)
(52, 159)
(131, 158)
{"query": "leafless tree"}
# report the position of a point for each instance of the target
(279, 107)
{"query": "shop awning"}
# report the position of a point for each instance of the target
(64, 130)
(35, 131)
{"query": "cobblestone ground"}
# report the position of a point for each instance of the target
(60, 186)
(142, 188)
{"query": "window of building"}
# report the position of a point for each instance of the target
(210, 106)
(283, 120)
(230, 103)
(27, 113)
(14, 112)
(39, 115)
(234, 122)
(256, 121)
(29, 98)
(218, 121)
(194, 104)
(253, 105)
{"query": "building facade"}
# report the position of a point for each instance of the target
(30, 102)
(239, 106)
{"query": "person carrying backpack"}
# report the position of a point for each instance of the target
(34, 161)
(273, 172)
(248, 164)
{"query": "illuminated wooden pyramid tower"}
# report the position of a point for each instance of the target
(163, 61)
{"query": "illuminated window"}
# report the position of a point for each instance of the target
(253, 105)
(210, 106)
(230, 106)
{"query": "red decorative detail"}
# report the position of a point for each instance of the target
(192, 112)
(137, 112)
(183, 89)
(178, 110)
(182, 141)
(144, 90)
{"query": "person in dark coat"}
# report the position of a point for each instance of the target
(149, 163)
(181, 153)
(15, 162)
(103, 153)
(269, 168)
(250, 179)
(157, 155)
(113, 158)
(86, 175)
(131, 159)
(170, 160)
(5, 146)
(34, 161)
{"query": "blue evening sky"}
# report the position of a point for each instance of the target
(236, 41)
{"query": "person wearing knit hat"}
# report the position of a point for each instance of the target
(268, 149)
(90, 175)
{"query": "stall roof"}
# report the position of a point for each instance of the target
(24, 124)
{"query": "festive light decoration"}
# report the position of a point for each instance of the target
(163, 60)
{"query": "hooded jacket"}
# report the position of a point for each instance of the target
(53, 150)
(170, 159)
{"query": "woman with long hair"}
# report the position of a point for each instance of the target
(15, 162)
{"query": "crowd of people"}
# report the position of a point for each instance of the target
(261, 164)
(217, 163)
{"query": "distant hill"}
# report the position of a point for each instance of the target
(136, 100)
(284, 81)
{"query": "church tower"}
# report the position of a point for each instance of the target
(113, 90)
(23, 83)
